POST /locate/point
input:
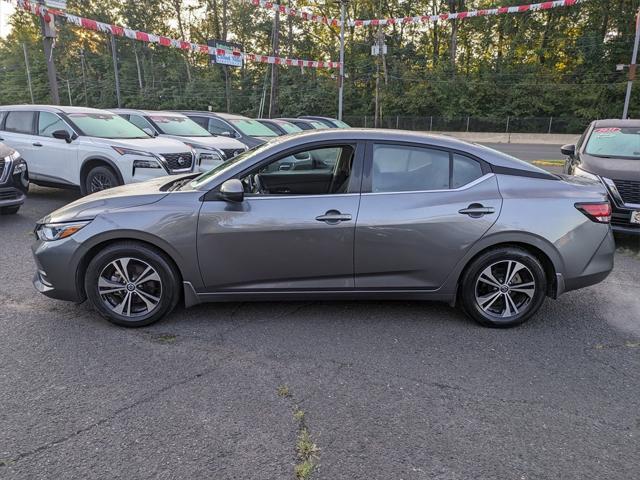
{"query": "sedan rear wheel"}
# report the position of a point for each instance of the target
(503, 287)
(132, 284)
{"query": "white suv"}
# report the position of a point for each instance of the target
(212, 150)
(88, 148)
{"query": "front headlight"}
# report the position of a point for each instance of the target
(146, 164)
(131, 151)
(49, 232)
(19, 168)
(583, 173)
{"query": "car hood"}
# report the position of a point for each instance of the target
(217, 142)
(125, 196)
(613, 168)
(157, 145)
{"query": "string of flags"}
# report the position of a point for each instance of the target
(532, 7)
(49, 15)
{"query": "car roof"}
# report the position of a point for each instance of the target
(225, 116)
(146, 112)
(293, 119)
(316, 117)
(616, 122)
(52, 108)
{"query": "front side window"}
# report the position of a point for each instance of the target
(140, 122)
(218, 127)
(318, 125)
(49, 123)
(178, 125)
(400, 168)
(253, 128)
(615, 142)
(318, 171)
(289, 127)
(19, 122)
(105, 125)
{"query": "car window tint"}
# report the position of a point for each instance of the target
(219, 127)
(49, 123)
(19, 122)
(399, 168)
(465, 170)
(140, 122)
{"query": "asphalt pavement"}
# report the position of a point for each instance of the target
(387, 390)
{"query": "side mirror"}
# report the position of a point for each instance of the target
(62, 135)
(150, 131)
(232, 191)
(568, 150)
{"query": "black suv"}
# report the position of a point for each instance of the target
(609, 151)
(14, 180)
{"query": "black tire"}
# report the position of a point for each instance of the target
(526, 303)
(10, 210)
(100, 178)
(140, 254)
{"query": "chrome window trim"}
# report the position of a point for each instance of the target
(477, 181)
(325, 195)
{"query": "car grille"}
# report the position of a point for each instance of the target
(629, 190)
(9, 195)
(623, 219)
(178, 161)
(232, 152)
(1, 167)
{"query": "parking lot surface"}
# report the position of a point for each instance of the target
(389, 390)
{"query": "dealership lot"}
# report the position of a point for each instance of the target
(389, 390)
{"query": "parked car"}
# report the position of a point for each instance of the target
(397, 215)
(211, 150)
(328, 121)
(305, 124)
(609, 152)
(88, 148)
(281, 127)
(250, 132)
(14, 180)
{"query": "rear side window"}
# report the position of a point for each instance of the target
(399, 168)
(19, 122)
(465, 170)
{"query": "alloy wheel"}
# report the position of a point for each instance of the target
(130, 287)
(505, 289)
(99, 182)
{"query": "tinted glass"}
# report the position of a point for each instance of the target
(318, 125)
(253, 128)
(49, 123)
(465, 170)
(403, 169)
(271, 126)
(178, 125)
(289, 127)
(105, 125)
(219, 127)
(140, 122)
(615, 142)
(19, 122)
(202, 121)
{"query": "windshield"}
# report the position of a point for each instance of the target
(105, 125)
(340, 123)
(318, 125)
(615, 142)
(289, 127)
(223, 167)
(178, 125)
(253, 128)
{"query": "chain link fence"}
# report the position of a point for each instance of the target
(474, 124)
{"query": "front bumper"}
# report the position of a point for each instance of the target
(56, 270)
(11, 196)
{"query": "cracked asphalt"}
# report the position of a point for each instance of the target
(390, 390)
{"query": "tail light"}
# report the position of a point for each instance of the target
(598, 212)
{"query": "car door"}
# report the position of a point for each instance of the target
(17, 132)
(421, 209)
(58, 159)
(294, 230)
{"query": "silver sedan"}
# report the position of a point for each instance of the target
(334, 214)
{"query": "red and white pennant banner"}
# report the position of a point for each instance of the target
(294, 12)
(88, 24)
(532, 7)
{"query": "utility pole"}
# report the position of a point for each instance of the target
(26, 63)
(632, 68)
(115, 69)
(84, 78)
(48, 30)
(379, 50)
(343, 5)
(273, 96)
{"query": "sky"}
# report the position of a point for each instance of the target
(6, 9)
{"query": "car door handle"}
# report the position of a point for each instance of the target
(477, 210)
(36, 144)
(333, 217)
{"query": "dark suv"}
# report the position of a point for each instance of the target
(609, 151)
(14, 180)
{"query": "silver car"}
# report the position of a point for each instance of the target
(334, 214)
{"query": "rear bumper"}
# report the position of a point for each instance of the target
(598, 267)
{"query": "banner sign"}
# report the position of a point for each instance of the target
(227, 58)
